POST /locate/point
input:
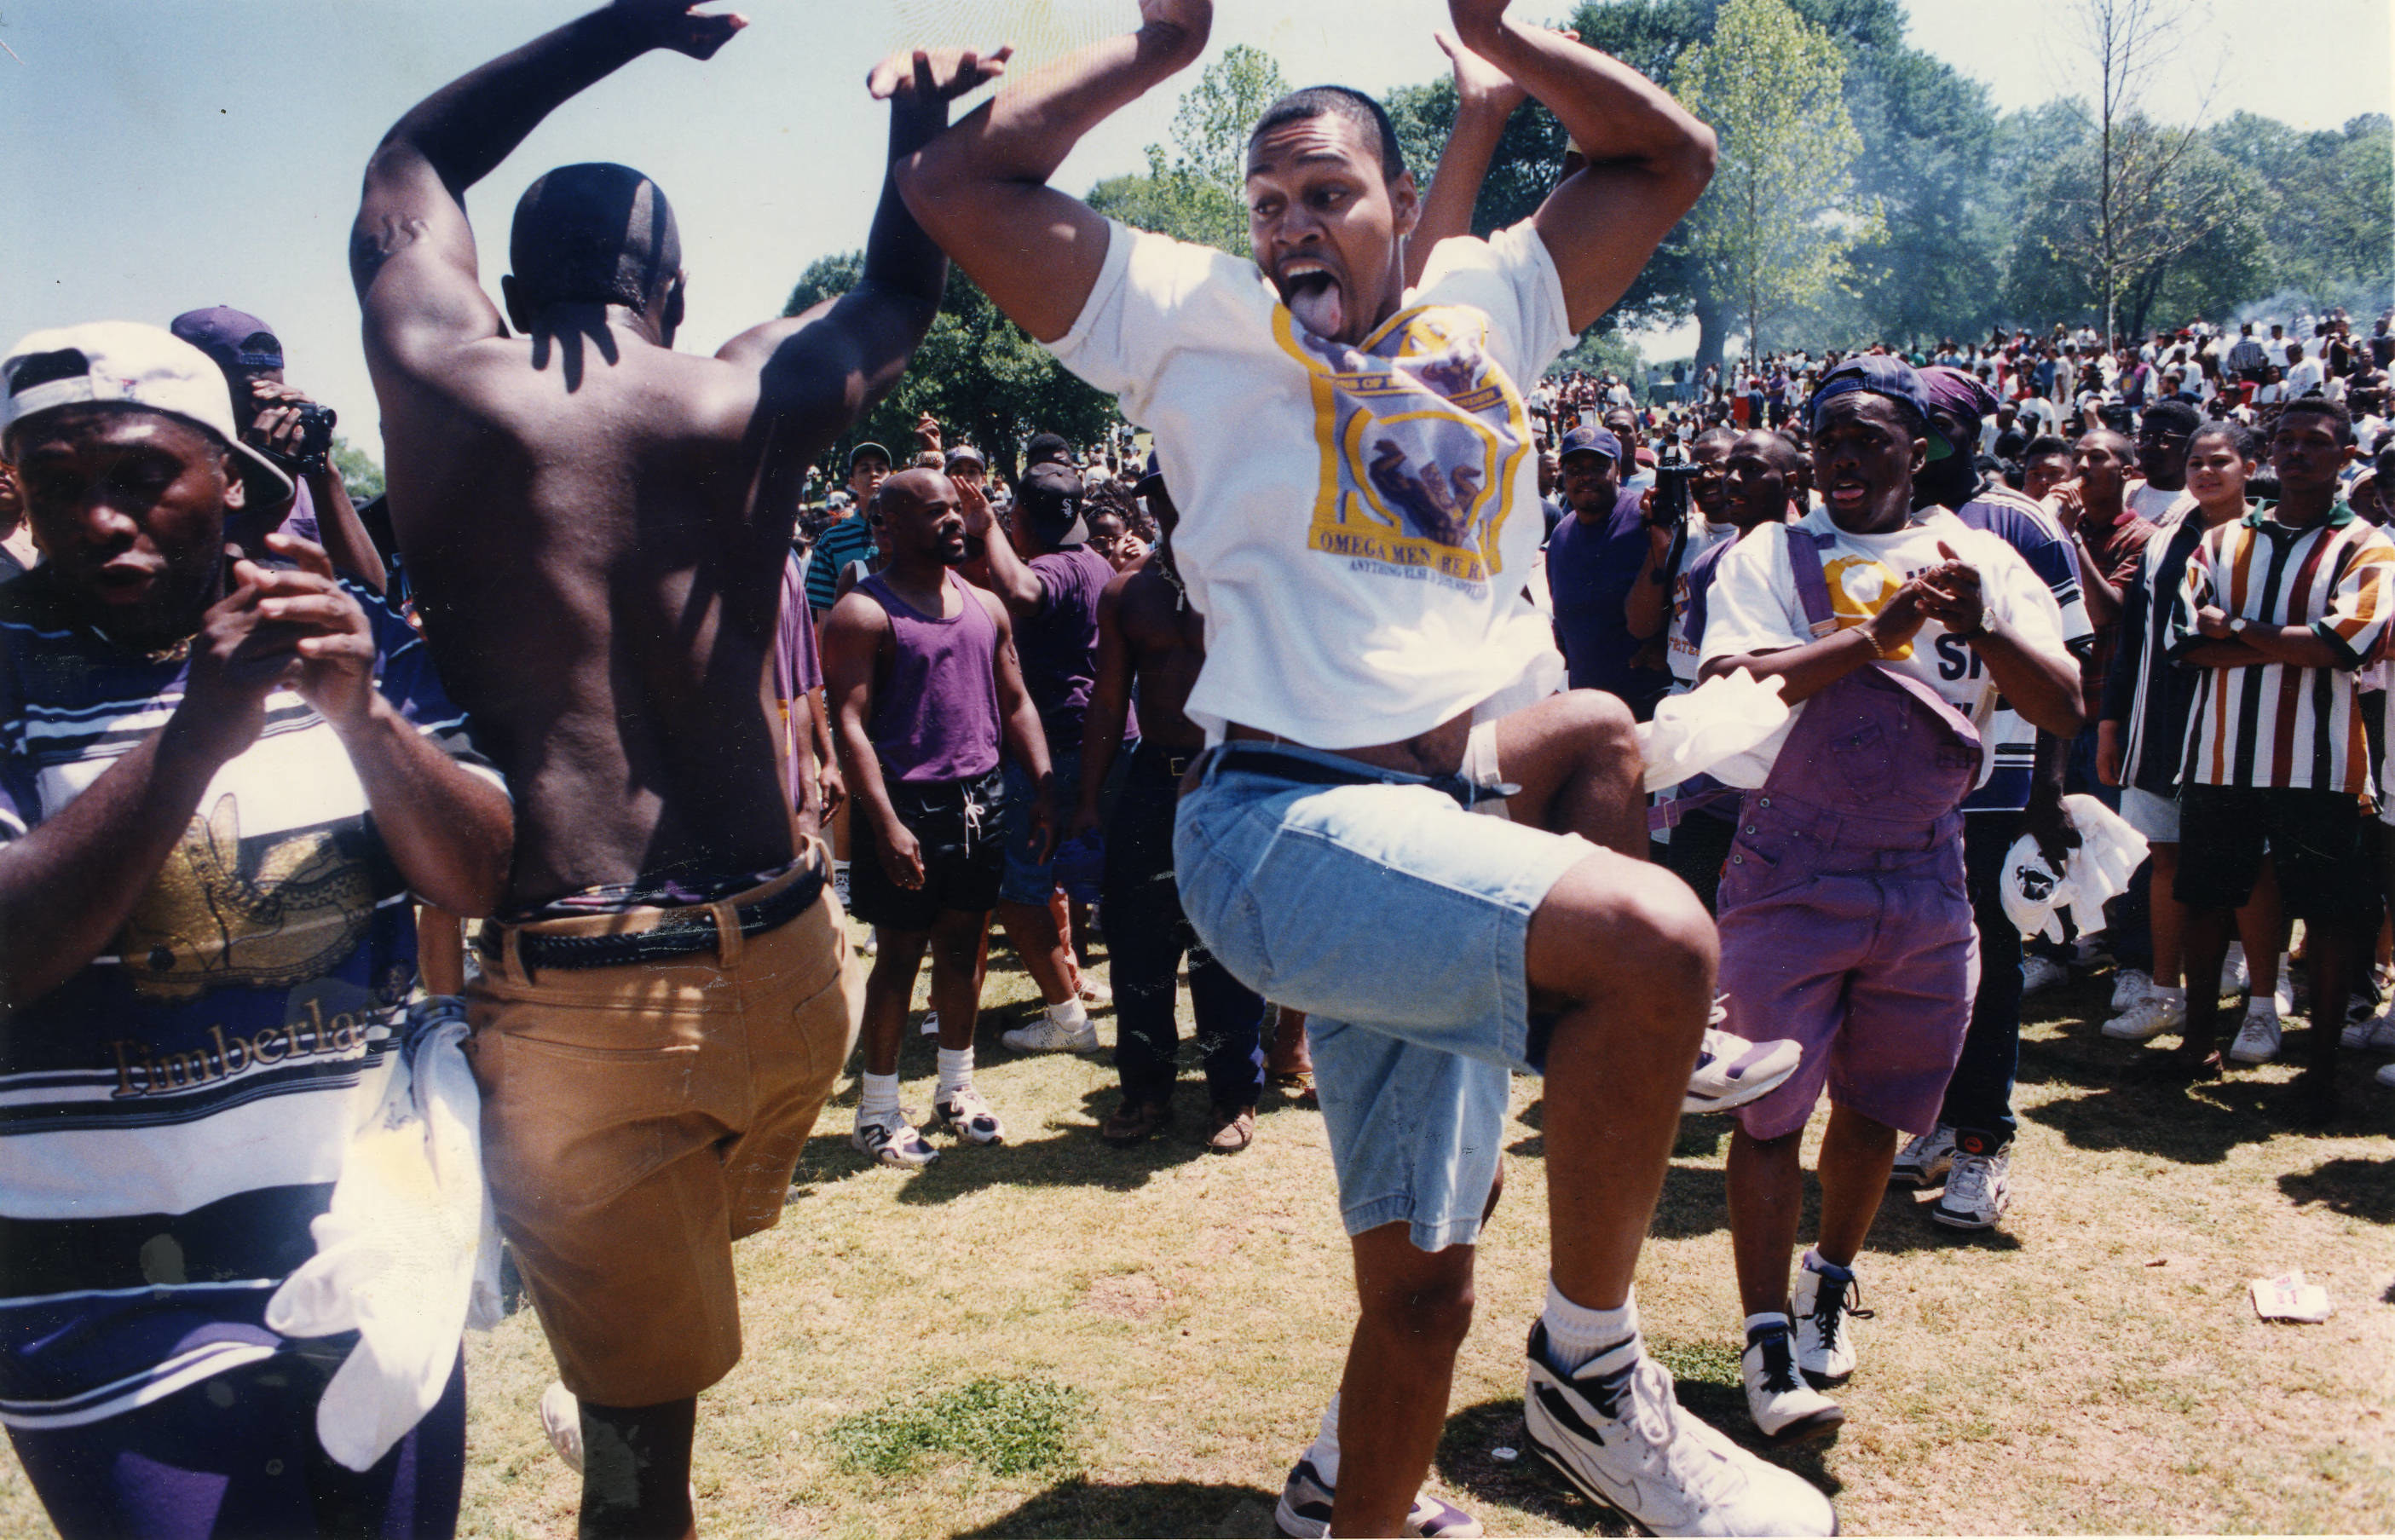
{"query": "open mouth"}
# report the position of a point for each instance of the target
(1847, 494)
(1314, 296)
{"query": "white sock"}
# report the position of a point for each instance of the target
(879, 1096)
(955, 1070)
(1323, 1454)
(1576, 1334)
(1072, 1013)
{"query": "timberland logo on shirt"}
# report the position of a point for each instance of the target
(141, 1073)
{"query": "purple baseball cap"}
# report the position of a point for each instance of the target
(236, 339)
(1585, 440)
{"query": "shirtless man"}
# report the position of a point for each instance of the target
(596, 525)
(1348, 652)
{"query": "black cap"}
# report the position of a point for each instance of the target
(1048, 500)
(1588, 439)
(1151, 480)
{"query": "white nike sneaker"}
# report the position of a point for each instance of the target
(1785, 1409)
(1045, 1033)
(1925, 1158)
(1824, 1310)
(2258, 1036)
(2132, 986)
(893, 1140)
(1732, 1072)
(967, 1113)
(1614, 1429)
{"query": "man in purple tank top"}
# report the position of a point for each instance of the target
(925, 690)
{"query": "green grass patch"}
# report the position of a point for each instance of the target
(1702, 1360)
(1006, 1427)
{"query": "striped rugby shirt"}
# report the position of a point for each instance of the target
(172, 1117)
(2144, 691)
(2280, 725)
(2022, 523)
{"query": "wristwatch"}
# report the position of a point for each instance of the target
(2238, 626)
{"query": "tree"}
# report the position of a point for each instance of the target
(2144, 208)
(1781, 213)
(1192, 192)
(359, 473)
(979, 374)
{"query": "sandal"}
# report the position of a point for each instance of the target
(1298, 1085)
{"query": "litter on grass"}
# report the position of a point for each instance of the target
(2289, 1297)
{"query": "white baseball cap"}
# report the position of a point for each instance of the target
(146, 366)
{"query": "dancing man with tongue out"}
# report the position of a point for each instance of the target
(1359, 512)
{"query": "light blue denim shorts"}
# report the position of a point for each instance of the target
(1398, 923)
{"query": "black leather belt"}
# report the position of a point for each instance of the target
(1270, 759)
(693, 931)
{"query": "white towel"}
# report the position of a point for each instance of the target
(1705, 730)
(407, 1253)
(2109, 852)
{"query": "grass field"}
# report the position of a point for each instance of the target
(1059, 1338)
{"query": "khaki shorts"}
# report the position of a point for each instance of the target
(639, 1119)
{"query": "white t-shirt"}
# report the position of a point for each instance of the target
(2154, 506)
(1703, 535)
(2304, 374)
(1356, 523)
(1754, 607)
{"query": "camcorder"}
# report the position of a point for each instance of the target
(1673, 479)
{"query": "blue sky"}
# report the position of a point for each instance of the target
(164, 156)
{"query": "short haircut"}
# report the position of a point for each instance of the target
(1047, 447)
(2176, 416)
(1370, 117)
(2320, 406)
(594, 233)
(2045, 444)
(2239, 436)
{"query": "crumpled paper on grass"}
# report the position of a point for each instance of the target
(408, 1253)
(1720, 720)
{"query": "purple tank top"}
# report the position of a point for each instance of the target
(935, 710)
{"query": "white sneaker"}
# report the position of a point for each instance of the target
(2150, 1016)
(1785, 1409)
(1732, 1072)
(2386, 1076)
(968, 1114)
(2233, 978)
(893, 1139)
(2371, 1032)
(2038, 973)
(1613, 1429)
(2283, 995)
(2133, 985)
(560, 1419)
(1093, 990)
(1977, 1190)
(2258, 1036)
(1824, 1310)
(1924, 1158)
(931, 1027)
(1046, 1034)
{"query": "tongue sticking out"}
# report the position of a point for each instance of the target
(1318, 306)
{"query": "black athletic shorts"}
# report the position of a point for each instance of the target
(2318, 840)
(961, 827)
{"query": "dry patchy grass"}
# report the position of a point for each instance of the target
(1059, 1338)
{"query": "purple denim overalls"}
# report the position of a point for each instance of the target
(1843, 922)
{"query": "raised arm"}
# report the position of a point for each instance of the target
(1648, 158)
(1485, 99)
(980, 188)
(412, 252)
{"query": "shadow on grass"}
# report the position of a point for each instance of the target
(1082, 1507)
(1465, 1461)
(2358, 1189)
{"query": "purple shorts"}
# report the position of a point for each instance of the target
(1865, 956)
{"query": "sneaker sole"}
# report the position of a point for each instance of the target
(944, 1124)
(1295, 1526)
(1572, 1479)
(1930, 1177)
(1820, 1427)
(1692, 1103)
(883, 1157)
(1963, 1221)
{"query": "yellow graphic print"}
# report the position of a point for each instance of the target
(1422, 436)
(1860, 588)
(206, 921)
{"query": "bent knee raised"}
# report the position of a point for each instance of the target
(1615, 925)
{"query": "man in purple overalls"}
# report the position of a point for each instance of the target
(924, 688)
(1844, 919)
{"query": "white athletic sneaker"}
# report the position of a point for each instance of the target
(1093, 991)
(1304, 1511)
(2258, 1036)
(2283, 995)
(1785, 1409)
(2038, 973)
(2132, 986)
(1824, 1310)
(968, 1115)
(1732, 1072)
(893, 1140)
(1924, 1158)
(2150, 1016)
(2233, 978)
(1046, 1034)
(2373, 1032)
(1615, 1431)
(1977, 1190)
(560, 1419)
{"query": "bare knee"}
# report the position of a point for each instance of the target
(1622, 930)
(1432, 1311)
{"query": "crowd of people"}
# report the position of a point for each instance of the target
(1303, 698)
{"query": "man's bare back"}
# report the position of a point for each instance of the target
(1166, 640)
(597, 523)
